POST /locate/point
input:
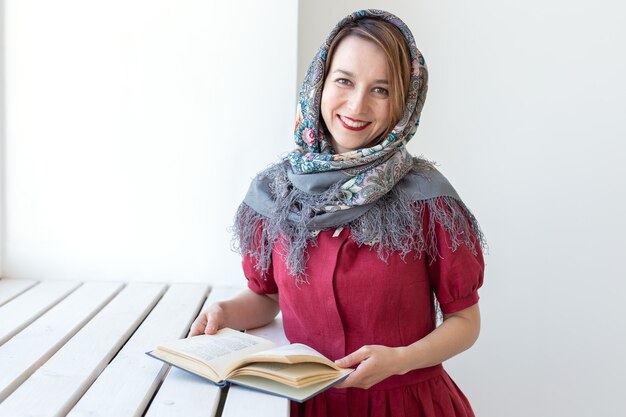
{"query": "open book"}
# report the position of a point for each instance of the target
(294, 371)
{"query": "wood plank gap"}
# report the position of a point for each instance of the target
(222, 403)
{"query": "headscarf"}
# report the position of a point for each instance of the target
(314, 154)
(378, 192)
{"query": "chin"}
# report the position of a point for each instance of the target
(347, 147)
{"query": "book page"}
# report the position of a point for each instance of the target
(218, 351)
(295, 349)
(296, 375)
(294, 353)
(276, 388)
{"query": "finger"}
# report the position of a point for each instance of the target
(212, 324)
(346, 383)
(353, 380)
(354, 358)
(198, 326)
(343, 384)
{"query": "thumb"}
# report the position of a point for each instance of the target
(352, 359)
(198, 326)
(213, 324)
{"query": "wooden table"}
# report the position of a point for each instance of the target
(78, 349)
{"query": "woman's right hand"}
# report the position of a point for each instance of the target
(208, 321)
(247, 310)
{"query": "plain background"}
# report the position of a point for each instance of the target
(131, 129)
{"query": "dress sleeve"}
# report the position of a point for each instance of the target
(259, 282)
(456, 273)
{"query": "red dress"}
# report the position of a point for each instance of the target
(353, 298)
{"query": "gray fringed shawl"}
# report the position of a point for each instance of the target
(392, 223)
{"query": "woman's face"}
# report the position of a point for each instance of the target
(355, 99)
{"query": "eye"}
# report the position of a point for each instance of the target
(381, 91)
(343, 81)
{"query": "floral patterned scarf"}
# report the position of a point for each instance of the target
(378, 192)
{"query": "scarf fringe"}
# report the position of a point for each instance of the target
(393, 224)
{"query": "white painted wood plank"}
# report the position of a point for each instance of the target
(10, 288)
(29, 349)
(23, 310)
(183, 394)
(55, 387)
(273, 331)
(246, 402)
(132, 377)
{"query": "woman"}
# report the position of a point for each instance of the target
(357, 242)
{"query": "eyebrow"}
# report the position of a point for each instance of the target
(350, 74)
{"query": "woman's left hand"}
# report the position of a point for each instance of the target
(375, 363)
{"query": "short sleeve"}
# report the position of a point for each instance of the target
(457, 272)
(259, 282)
(256, 260)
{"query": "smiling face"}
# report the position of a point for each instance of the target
(355, 99)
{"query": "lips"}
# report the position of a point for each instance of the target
(352, 124)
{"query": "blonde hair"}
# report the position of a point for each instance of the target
(389, 38)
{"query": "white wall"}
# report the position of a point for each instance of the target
(2, 138)
(134, 128)
(525, 116)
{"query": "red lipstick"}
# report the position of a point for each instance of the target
(355, 125)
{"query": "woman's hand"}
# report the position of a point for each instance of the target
(247, 310)
(209, 321)
(457, 332)
(375, 363)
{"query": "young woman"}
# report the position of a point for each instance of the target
(356, 241)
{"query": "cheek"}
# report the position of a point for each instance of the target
(323, 112)
(326, 105)
(385, 113)
(383, 118)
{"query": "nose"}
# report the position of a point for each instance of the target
(357, 102)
